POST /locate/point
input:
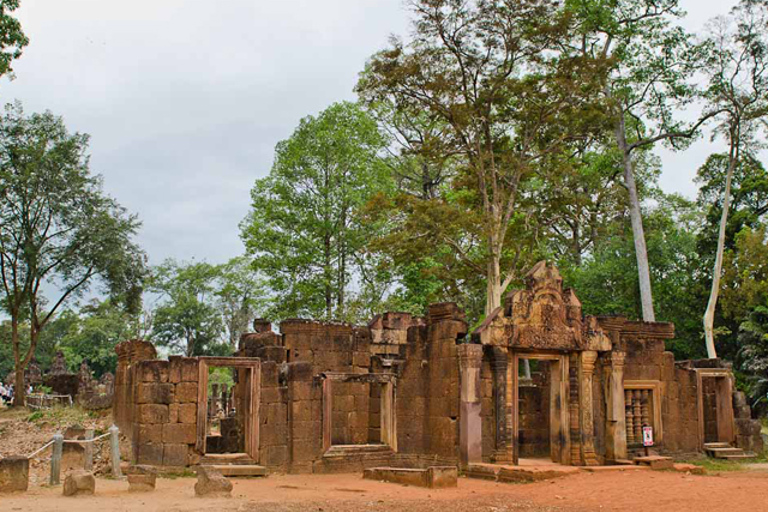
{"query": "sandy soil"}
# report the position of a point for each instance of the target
(636, 491)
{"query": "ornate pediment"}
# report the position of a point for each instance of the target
(542, 316)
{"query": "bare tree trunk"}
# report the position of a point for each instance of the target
(494, 291)
(641, 251)
(709, 314)
(19, 394)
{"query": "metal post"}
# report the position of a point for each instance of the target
(115, 442)
(88, 450)
(58, 446)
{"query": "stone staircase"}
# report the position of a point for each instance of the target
(726, 451)
(233, 464)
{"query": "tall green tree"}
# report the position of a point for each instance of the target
(12, 38)
(240, 297)
(652, 63)
(187, 319)
(59, 232)
(509, 103)
(737, 68)
(305, 232)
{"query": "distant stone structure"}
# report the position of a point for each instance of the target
(413, 392)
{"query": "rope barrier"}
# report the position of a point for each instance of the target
(70, 441)
(49, 443)
(86, 441)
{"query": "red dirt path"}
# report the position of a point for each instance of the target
(635, 491)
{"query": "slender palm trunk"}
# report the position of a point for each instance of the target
(709, 314)
(638, 234)
(19, 393)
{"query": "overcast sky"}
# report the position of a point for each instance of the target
(186, 99)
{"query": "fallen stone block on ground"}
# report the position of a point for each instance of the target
(433, 477)
(141, 478)
(14, 474)
(211, 483)
(79, 483)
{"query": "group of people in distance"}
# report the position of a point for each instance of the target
(6, 394)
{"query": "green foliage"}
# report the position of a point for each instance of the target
(220, 376)
(186, 320)
(12, 38)
(606, 283)
(61, 233)
(241, 296)
(305, 232)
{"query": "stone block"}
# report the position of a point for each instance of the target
(152, 413)
(141, 478)
(186, 392)
(180, 433)
(187, 413)
(183, 369)
(153, 371)
(211, 483)
(78, 483)
(175, 455)
(150, 433)
(303, 450)
(14, 474)
(150, 453)
(300, 371)
(277, 455)
(301, 411)
(154, 393)
(173, 413)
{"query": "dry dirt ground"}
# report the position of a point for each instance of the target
(609, 491)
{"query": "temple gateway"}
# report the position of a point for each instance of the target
(537, 380)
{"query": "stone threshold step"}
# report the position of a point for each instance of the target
(240, 469)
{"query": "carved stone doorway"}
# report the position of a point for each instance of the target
(715, 404)
(556, 366)
(247, 397)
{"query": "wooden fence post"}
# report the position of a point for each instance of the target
(88, 450)
(58, 446)
(115, 442)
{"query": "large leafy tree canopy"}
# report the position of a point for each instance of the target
(305, 231)
(59, 233)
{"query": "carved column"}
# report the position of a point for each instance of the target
(573, 410)
(470, 426)
(616, 426)
(586, 378)
(500, 365)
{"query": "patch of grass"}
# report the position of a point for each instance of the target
(60, 416)
(173, 475)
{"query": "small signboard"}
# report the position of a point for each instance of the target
(647, 436)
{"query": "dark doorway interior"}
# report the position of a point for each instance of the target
(534, 397)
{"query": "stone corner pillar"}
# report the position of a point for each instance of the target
(586, 406)
(615, 418)
(470, 426)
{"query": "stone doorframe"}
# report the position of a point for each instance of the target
(725, 419)
(559, 419)
(388, 395)
(249, 369)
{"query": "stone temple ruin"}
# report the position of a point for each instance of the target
(413, 392)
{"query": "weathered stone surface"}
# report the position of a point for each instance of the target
(154, 393)
(175, 454)
(14, 474)
(187, 413)
(186, 392)
(79, 482)
(212, 484)
(150, 453)
(141, 478)
(180, 433)
(152, 413)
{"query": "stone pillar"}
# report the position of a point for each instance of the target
(500, 365)
(616, 426)
(470, 428)
(587, 424)
(573, 410)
